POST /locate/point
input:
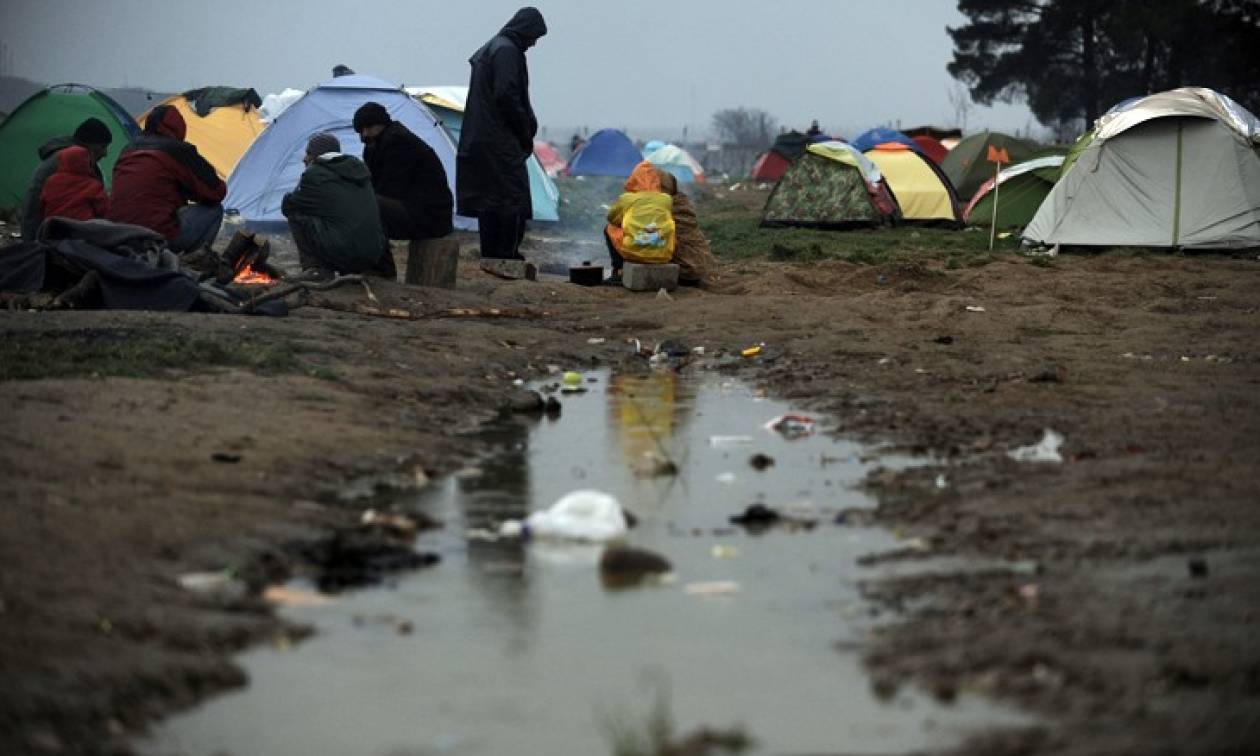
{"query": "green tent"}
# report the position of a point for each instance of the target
(968, 166)
(1022, 189)
(53, 112)
(831, 185)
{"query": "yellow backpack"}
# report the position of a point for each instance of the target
(649, 228)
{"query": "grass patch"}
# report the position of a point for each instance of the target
(738, 235)
(134, 353)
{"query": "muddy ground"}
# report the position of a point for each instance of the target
(1131, 624)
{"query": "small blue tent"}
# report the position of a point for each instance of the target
(272, 165)
(608, 153)
(869, 139)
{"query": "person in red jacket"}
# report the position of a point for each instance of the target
(74, 191)
(161, 182)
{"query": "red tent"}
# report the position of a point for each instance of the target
(932, 148)
(551, 161)
(770, 166)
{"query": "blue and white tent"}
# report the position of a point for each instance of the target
(609, 153)
(273, 164)
(448, 104)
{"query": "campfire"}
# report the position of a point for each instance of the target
(245, 261)
(248, 275)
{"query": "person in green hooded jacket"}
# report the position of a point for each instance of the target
(334, 217)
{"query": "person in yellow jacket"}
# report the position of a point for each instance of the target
(641, 222)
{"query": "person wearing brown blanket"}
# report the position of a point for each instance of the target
(691, 251)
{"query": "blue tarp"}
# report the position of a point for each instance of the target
(869, 139)
(273, 163)
(608, 153)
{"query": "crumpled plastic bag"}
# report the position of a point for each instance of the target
(1045, 450)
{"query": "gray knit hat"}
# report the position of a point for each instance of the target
(322, 142)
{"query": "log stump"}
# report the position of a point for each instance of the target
(432, 262)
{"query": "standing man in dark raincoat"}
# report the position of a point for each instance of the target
(491, 181)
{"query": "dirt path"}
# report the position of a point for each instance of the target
(1130, 623)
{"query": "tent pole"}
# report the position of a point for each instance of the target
(997, 186)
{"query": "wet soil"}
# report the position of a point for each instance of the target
(1133, 629)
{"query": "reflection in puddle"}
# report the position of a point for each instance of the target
(518, 648)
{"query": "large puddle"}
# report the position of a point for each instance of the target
(510, 647)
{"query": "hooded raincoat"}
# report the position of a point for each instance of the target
(334, 211)
(75, 189)
(497, 136)
(641, 222)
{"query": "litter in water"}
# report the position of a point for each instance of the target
(792, 426)
(578, 516)
(1045, 450)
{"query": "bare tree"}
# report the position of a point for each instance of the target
(960, 101)
(746, 127)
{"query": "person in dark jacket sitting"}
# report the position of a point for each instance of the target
(92, 134)
(333, 214)
(156, 179)
(409, 179)
(497, 138)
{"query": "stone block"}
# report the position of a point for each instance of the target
(509, 269)
(639, 277)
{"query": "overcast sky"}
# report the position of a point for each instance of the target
(647, 65)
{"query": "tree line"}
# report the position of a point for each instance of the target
(1073, 59)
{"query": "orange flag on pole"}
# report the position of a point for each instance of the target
(999, 156)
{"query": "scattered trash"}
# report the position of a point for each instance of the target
(730, 440)
(881, 279)
(662, 294)
(725, 478)
(792, 426)
(572, 378)
(756, 515)
(975, 308)
(1198, 567)
(221, 585)
(761, 461)
(722, 551)
(884, 361)
(1045, 450)
(283, 596)
(226, 458)
(396, 524)
(698, 351)
(1029, 592)
(595, 340)
(751, 351)
(625, 566)
(712, 588)
(941, 482)
(578, 516)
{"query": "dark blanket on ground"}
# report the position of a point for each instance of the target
(133, 272)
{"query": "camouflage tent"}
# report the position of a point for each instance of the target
(832, 185)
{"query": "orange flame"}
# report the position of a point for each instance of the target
(249, 276)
